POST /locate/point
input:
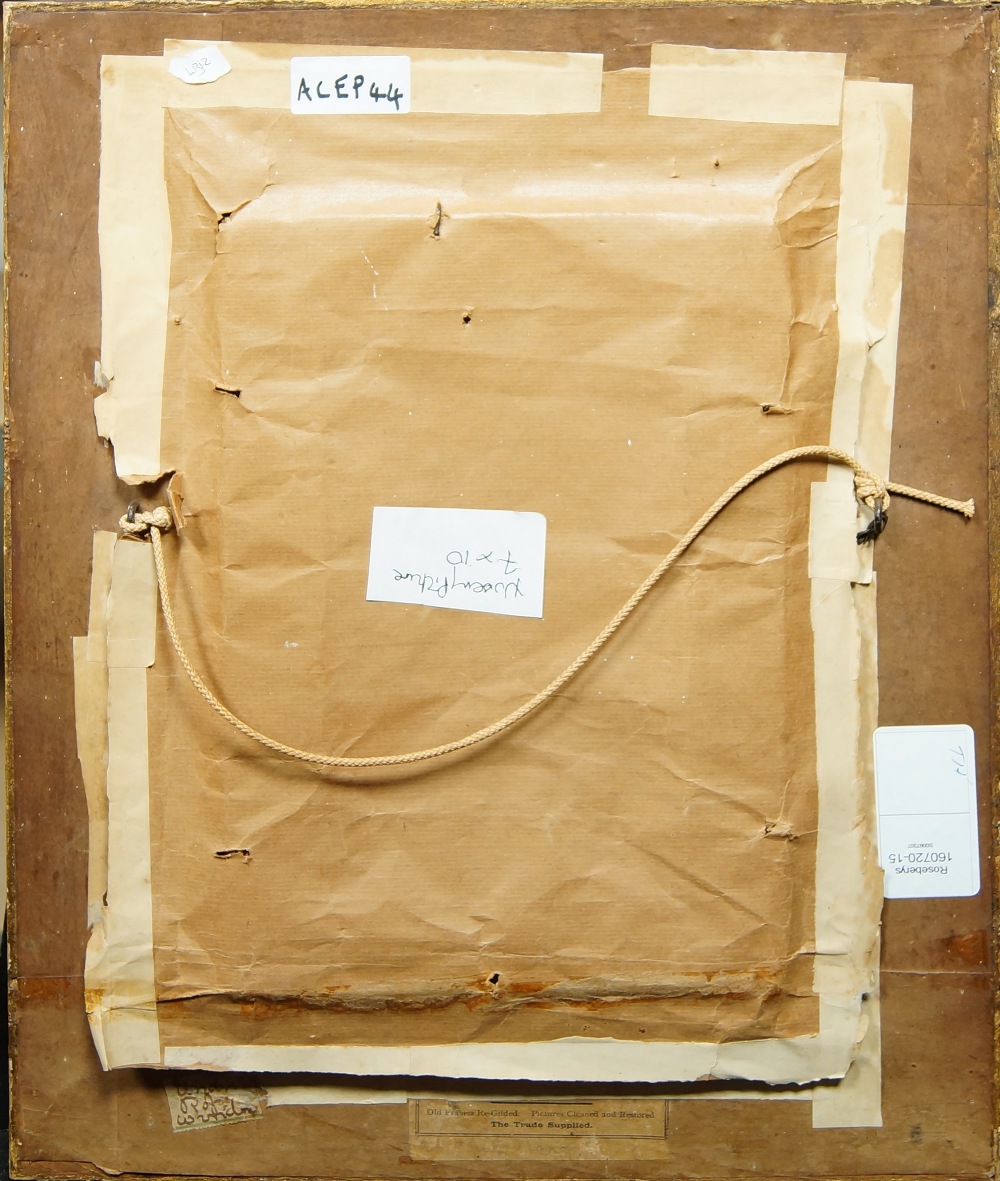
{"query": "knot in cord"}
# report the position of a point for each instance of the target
(870, 490)
(138, 524)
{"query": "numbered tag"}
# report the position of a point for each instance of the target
(928, 836)
(206, 64)
(350, 85)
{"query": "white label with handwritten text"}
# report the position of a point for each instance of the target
(205, 64)
(466, 559)
(377, 85)
(928, 836)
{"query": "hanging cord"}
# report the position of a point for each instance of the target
(869, 490)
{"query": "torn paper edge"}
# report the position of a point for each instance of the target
(90, 700)
(333, 1095)
(119, 980)
(746, 85)
(602, 1060)
(874, 173)
(723, 1061)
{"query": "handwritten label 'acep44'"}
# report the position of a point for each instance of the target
(375, 85)
(465, 559)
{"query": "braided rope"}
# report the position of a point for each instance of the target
(869, 490)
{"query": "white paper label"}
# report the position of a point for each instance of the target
(206, 64)
(465, 559)
(928, 836)
(350, 85)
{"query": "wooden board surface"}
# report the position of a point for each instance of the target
(934, 605)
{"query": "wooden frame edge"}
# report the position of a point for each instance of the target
(993, 533)
(16, 7)
(10, 910)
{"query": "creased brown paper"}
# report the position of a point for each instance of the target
(342, 375)
(135, 264)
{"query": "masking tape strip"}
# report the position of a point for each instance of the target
(90, 691)
(134, 244)
(745, 85)
(872, 223)
(90, 694)
(857, 1101)
(848, 892)
(869, 279)
(833, 528)
(442, 81)
(119, 972)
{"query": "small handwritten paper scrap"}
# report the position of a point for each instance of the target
(466, 559)
(206, 64)
(925, 781)
(376, 85)
(193, 1108)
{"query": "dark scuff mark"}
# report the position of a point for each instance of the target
(226, 854)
